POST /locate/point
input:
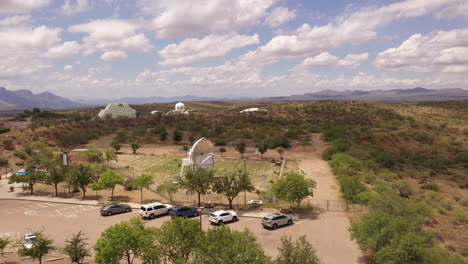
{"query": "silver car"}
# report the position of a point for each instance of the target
(275, 220)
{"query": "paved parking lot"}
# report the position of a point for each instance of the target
(59, 221)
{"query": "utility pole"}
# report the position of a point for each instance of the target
(245, 191)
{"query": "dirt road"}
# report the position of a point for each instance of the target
(332, 240)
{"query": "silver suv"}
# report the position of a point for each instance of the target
(276, 219)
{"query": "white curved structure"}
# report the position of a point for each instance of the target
(201, 155)
(253, 109)
(180, 107)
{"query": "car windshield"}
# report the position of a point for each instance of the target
(143, 208)
(30, 239)
(213, 215)
(267, 218)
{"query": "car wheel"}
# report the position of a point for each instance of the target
(128, 210)
(109, 213)
(290, 222)
(195, 214)
(235, 219)
(151, 216)
(169, 212)
(275, 226)
(220, 222)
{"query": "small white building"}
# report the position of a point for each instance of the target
(253, 109)
(117, 110)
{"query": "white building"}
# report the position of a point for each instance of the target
(117, 110)
(254, 109)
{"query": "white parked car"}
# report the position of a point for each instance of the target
(154, 209)
(255, 202)
(221, 217)
(28, 240)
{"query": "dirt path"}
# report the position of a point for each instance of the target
(332, 240)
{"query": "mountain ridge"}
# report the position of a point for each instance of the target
(23, 98)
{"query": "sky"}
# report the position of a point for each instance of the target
(83, 49)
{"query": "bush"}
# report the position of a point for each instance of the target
(430, 186)
(4, 129)
(220, 142)
(347, 169)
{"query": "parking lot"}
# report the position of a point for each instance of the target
(59, 221)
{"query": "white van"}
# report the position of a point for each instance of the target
(154, 209)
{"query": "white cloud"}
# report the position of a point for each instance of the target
(429, 52)
(14, 20)
(279, 16)
(114, 55)
(455, 69)
(65, 49)
(323, 59)
(353, 28)
(21, 6)
(353, 60)
(68, 8)
(173, 18)
(211, 46)
(112, 35)
(68, 67)
(456, 10)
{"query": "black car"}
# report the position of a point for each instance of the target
(115, 208)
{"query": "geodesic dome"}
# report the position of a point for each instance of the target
(180, 107)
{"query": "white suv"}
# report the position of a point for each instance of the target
(154, 209)
(221, 217)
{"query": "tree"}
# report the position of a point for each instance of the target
(177, 135)
(82, 176)
(141, 182)
(232, 184)
(262, 148)
(178, 239)
(76, 248)
(116, 144)
(93, 153)
(163, 135)
(197, 181)
(222, 151)
(135, 145)
(293, 187)
(4, 241)
(240, 147)
(108, 180)
(121, 135)
(280, 151)
(223, 245)
(110, 154)
(4, 162)
(126, 239)
(169, 188)
(56, 173)
(40, 247)
(296, 252)
(30, 178)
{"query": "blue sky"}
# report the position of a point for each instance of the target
(231, 48)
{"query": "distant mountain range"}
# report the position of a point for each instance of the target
(22, 99)
(418, 94)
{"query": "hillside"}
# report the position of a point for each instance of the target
(21, 99)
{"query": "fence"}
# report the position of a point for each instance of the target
(332, 205)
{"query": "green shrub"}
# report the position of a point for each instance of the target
(220, 142)
(4, 129)
(430, 186)
(459, 217)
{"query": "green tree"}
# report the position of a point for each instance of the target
(177, 135)
(31, 179)
(4, 162)
(178, 239)
(293, 187)
(93, 153)
(57, 173)
(121, 135)
(40, 247)
(240, 147)
(116, 144)
(4, 241)
(76, 248)
(141, 182)
(296, 252)
(135, 145)
(232, 184)
(169, 188)
(280, 151)
(126, 240)
(108, 180)
(82, 176)
(110, 154)
(163, 135)
(262, 148)
(222, 151)
(197, 181)
(223, 245)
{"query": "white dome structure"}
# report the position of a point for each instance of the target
(180, 107)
